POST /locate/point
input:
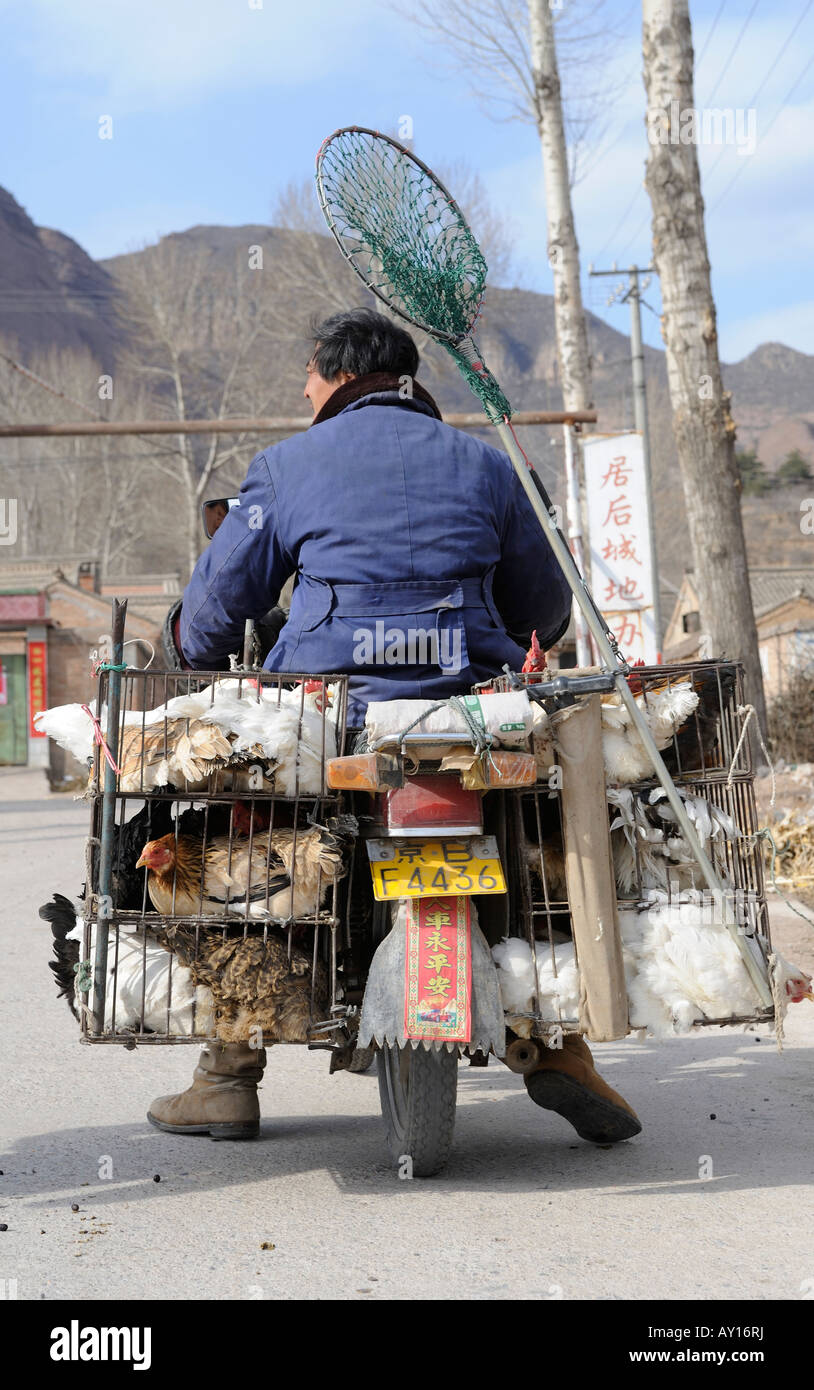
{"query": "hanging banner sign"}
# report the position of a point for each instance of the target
(37, 685)
(619, 532)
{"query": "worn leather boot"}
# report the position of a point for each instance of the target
(567, 1081)
(222, 1100)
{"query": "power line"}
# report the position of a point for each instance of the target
(615, 141)
(767, 75)
(633, 200)
(759, 89)
(700, 60)
(54, 390)
(620, 224)
(779, 110)
(732, 52)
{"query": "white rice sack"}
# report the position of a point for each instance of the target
(507, 717)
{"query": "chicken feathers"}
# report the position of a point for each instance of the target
(283, 874)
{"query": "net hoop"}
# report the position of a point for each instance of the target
(451, 339)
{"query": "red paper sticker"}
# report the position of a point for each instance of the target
(438, 992)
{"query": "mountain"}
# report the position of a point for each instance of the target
(52, 295)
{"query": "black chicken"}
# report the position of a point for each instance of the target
(128, 883)
(701, 743)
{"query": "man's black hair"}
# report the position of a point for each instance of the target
(360, 341)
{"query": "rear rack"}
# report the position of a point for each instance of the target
(247, 810)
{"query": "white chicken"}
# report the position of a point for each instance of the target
(681, 967)
(646, 840)
(226, 725)
(149, 988)
(626, 758)
(558, 982)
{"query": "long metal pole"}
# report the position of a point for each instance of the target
(104, 893)
(574, 511)
(641, 422)
(599, 633)
(290, 424)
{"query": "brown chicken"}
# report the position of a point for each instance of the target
(254, 983)
(174, 752)
(286, 875)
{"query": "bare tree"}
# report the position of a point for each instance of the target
(491, 39)
(314, 280)
(204, 341)
(509, 47)
(702, 424)
(563, 251)
(92, 496)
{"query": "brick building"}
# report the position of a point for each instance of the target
(53, 614)
(783, 601)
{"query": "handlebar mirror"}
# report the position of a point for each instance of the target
(215, 511)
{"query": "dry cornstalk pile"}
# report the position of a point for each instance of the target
(794, 838)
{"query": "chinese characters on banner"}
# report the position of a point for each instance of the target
(37, 685)
(438, 984)
(619, 531)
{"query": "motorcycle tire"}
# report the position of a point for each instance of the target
(418, 1091)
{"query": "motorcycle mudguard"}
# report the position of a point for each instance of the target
(390, 1012)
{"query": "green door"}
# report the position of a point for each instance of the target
(13, 711)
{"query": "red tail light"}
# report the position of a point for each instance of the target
(433, 803)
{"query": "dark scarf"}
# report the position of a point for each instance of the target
(366, 386)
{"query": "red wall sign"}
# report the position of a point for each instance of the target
(37, 684)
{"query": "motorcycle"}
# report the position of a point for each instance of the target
(431, 990)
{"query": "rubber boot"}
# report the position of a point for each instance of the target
(567, 1081)
(222, 1100)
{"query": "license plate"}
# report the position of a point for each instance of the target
(426, 868)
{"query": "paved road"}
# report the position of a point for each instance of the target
(523, 1210)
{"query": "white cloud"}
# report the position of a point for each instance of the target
(161, 54)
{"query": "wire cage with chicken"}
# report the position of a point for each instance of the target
(215, 860)
(682, 967)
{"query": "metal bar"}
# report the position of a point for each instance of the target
(263, 424)
(640, 417)
(574, 512)
(599, 633)
(104, 894)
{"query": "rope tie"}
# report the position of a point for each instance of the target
(750, 710)
(482, 741)
(98, 737)
(110, 666)
(765, 834)
(84, 975)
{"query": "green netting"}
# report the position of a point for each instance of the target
(407, 239)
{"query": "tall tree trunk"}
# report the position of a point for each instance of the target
(563, 251)
(703, 427)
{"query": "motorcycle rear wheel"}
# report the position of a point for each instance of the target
(418, 1091)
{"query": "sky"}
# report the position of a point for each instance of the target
(217, 104)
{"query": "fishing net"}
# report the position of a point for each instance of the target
(409, 242)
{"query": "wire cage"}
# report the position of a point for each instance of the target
(214, 904)
(710, 761)
(709, 742)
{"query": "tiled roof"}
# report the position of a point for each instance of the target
(772, 587)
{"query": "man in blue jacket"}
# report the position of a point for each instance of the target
(393, 523)
(420, 569)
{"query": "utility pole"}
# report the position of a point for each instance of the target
(633, 296)
(585, 654)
